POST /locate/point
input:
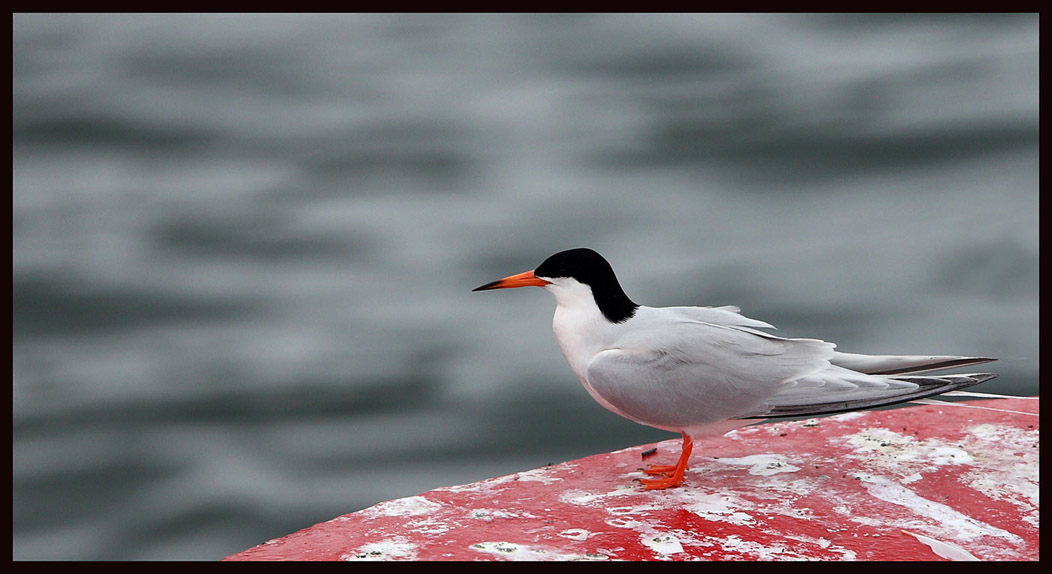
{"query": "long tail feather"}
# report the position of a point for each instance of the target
(926, 387)
(902, 364)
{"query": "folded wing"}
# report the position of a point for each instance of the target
(721, 367)
(683, 373)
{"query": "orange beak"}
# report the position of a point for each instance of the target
(524, 279)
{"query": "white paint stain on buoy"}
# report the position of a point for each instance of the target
(397, 548)
(763, 464)
(409, 506)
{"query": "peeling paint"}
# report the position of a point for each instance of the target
(576, 534)
(409, 506)
(510, 551)
(719, 508)
(755, 550)
(539, 475)
(966, 481)
(519, 552)
(958, 525)
(763, 464)
(663, 544)
(585, 498)
(949, 455)
(395, 549)
(429, 526)
(945, 549)
(489, 514)
(1011, 474)
(911, 478)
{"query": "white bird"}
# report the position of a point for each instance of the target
(703, 371)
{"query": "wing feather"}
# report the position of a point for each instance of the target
(712, 373)
(693, 368)
(902, 364)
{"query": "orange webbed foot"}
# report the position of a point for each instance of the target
(670, 474)
(659, 469)
(661, 483)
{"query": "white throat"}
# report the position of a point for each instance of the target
(580, 328)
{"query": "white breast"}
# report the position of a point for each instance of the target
(581, 330)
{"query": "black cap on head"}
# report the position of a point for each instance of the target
(590, 268)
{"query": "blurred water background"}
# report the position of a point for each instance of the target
(243, 245)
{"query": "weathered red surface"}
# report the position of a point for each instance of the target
(962, 480)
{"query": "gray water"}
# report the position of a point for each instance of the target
(243, 245)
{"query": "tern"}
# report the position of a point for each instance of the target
(704, 371)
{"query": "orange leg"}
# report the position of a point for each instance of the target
(671, 475)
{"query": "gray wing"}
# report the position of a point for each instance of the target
(721, 367)
(840, 390)
(856, 381)
(902, 364)
(712, 372)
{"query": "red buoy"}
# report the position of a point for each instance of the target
(930, 482)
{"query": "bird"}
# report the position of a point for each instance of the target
(704, 371)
